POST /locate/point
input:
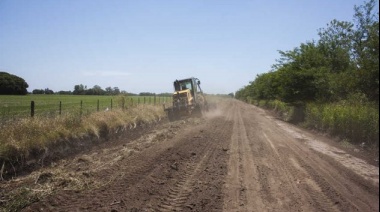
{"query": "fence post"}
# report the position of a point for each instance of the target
(81, 107)
(144, 100)
(60, 107)
(132, 101)
(154, 99)
(111, 104)
(32, 108)
(97, 106)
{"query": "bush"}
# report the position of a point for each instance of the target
(358, 123)
(12, 84)
(288, 112)
(355, 119)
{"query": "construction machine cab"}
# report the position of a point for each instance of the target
(191, 83)
(188, 98)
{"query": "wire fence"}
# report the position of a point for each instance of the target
(11, 109)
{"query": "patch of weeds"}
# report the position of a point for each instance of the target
(346, 144)
(19, 199)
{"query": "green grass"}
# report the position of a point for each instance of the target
(20, 106)
(284, 110)
(359, 123)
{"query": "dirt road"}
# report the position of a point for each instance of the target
(237, 158)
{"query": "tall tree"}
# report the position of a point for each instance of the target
(336, 45)
(79, 90)
(366, 48)
(12, 84)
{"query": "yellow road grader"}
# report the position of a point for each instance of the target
(188, 99)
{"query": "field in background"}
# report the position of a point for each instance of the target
(12, 107)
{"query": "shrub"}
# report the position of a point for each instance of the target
(355, 119)
(357, 122)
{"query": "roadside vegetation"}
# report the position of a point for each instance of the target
(33, 138)
(330, 84)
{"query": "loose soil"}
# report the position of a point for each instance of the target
(236, 158)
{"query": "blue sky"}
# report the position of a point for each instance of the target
(144, 45)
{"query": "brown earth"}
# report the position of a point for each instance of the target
(236, 158)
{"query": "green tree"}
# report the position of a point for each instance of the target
(79, 90)
(336, 45)
(241, 94)
(108, 90)
(300, 75)
(296, 86)
(116, 91)
(265, 86)
(38, 91)
(12, 84)
(48, 91)
(97, 90)
(342, 63)
(366, 49)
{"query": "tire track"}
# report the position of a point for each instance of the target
(306, 189)
(279, 181)
(278, 188)
(314, 190)
(325, 185)
(128, 175)
(241, 190)
(121, 170)
(320, 180)
(179, 194)
(296, 177)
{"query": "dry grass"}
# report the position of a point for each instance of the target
(18, 139)
(44, 183)
(27, 134)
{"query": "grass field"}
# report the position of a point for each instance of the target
(49, 105)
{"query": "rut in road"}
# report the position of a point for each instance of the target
(198, 179)
(270, 170)
(184, 172)
(322, 182)
(249, 186)
(178, 194)
(241, 189)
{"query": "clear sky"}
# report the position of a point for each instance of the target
(144, 45)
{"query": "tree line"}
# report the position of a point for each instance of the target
(344, 62)
(13, 85)
(96, 90)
